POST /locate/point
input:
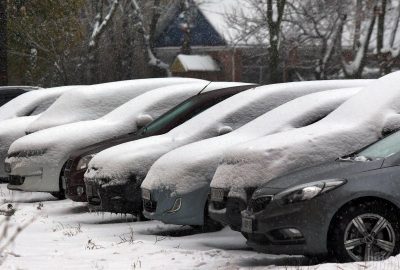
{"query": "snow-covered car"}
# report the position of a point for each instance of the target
(354, 202)
(94, 101)
(124, 167)
(360, 121)
(8, 93)
(182, 177)
(32, 102)
(75, 168)
(47, 151)
(19, 113)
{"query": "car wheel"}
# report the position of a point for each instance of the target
(365, 232)
(58, 195)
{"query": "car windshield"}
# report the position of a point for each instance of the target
(165, 120)
(383, 148)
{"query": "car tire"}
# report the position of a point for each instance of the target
(58, 195)
(370, 230)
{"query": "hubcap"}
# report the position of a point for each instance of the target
(369, 237)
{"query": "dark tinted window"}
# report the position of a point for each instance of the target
(189, 108)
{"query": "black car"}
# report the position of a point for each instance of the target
(8, 93)
(74, 174)
(348, 208)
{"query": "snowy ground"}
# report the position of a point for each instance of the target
(64, 235)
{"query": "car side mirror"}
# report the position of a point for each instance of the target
(143, 120)
(224, 130)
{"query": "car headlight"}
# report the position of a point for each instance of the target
(308, 191)
(83, 162)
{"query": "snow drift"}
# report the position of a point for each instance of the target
(121, 161)
(92, 102)
(32, 103)
(192, 166)
(358, 122)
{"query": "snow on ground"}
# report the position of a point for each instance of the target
(64, 235)
(355, 124)
(94, 101)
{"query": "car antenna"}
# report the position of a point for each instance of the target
(205, 87)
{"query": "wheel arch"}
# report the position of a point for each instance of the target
(355, 201)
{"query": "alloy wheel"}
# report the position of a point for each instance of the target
(369, 237)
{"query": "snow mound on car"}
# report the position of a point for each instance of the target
(355, 124)
(192, 166)
(11, 130)
(137, 157)
(32, 103)
(60, 141)
(95, 101)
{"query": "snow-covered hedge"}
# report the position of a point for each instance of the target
(355, 124)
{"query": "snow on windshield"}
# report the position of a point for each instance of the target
(32, 102)
(232, 112)
(193, 165)
(95, 101)
(355, 124)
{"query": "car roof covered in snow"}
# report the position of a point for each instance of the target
(92, 102)
(32, 102)
(222, 117)
(188, 166)
(356, 123)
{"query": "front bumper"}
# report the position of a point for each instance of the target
(287, 229)
(190, 212)
(36, 176)
(118, 197)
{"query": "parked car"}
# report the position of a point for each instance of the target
(48, 150)
(17, 114)
(123, 167)
(186, 172)
(94, 101)
(358, 122)
(8, 93)
(348, 207)
(32, 102)
(76, 165)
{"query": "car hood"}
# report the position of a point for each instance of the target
(328, 170)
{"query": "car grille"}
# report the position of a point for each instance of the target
(92, 193)
(259, 204)
(16, 180)
(149, 206)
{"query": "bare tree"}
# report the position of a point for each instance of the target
(3, 43)
(319, 25)
(101, 22)
(147, 33)
(354, 68)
